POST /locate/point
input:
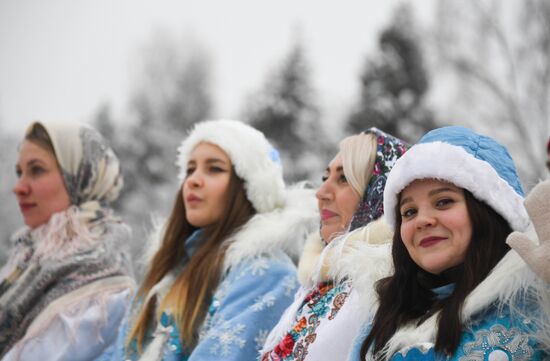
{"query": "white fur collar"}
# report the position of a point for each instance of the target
(345, 256)
(282, 229)
(509, 277)
(363, 256)
(365, 260)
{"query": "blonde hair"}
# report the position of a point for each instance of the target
(358, 153)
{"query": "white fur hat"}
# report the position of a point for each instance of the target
(255, 160)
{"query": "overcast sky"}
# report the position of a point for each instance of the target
(60, 59)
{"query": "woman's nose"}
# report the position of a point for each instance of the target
(194, 180)
(425, 219)
(324, 193)
(21, 187)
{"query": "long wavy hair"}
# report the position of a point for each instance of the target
(193, 288)
(486, 249)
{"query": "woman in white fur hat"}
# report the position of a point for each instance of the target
(458, 291)
(222, 274)
(323, 321)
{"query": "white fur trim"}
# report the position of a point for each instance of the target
(365, 259)
(282, 229)
(310, 256)
(285, 322)
(362, 256)
(508, 280)
(443, 161)
(253, 158)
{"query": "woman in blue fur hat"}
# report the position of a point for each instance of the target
(458, 291)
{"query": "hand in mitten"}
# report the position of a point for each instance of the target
(537, 256)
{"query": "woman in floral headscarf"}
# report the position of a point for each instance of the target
(68, 281)
(323, 321)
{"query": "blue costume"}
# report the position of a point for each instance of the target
(503, 317)
(258, 278)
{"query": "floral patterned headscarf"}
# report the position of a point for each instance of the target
(388, 150)
(90, 169)
(77, 246)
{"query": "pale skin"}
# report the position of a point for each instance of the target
(436, 227)
(204, 189)
(40, 190)
(337, 201)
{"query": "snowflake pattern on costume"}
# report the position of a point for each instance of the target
(289, 283)
(498, 340)
(225, 335)
(263, 302)
(259, 267)
(260, 339)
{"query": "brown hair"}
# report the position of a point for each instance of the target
(193, 288)
(486, 249)
(38, 135)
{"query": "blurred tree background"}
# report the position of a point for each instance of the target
(493, 65)
(484, 64)
(394, 83)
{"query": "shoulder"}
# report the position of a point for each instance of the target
(89, 317)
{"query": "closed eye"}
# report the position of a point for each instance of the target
(215, 169)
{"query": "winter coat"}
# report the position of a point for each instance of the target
(257, 284)
(503, 318)
(323, 320)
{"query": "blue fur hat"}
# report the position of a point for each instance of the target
(468, 160)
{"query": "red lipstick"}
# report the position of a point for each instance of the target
(430, 241)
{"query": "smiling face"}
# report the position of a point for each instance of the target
(436, 227)
(205, 186)
(40, 190)
(336, 199)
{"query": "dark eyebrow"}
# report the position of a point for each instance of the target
(431, 193)
(35, 161)
(441, 190)
(338, 169)
(215, 160)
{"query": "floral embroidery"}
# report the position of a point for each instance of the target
(324, 302)
(499, 339)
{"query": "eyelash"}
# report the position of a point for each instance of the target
(441, 203)
(342, 178)
(407, 213)
(34, 171)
